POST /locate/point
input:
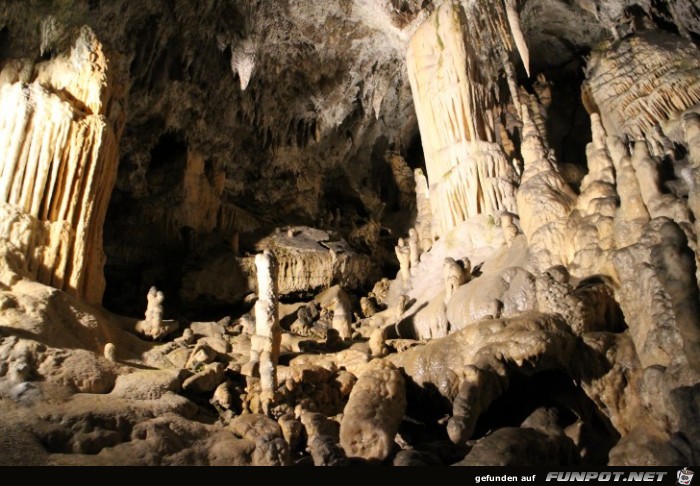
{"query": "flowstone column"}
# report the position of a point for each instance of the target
(59, 137)
(457, 112)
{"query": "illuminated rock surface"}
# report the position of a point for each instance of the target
(392, 232)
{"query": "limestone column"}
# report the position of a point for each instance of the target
(58, 146)
(265, 343)
(457, 115)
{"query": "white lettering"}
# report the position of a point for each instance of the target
(552, 476)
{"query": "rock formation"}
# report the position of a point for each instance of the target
(395, 232)
(154, 326)
(61, 125)
(632, 97)
(467, 172)
(544, 199)
(373, 413)
(424, 213)
(265, 343)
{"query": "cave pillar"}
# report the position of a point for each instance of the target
(58, 146)
(468, 172)
(265, 343)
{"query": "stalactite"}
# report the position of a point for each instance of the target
(243, 60)
(641, 82)
(520, 42)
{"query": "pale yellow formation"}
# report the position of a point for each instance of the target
(544, 200)
(598, 186)
(202, 197)
(403, 178)
(374, 412)
(657, 203)
(403, 254)
(468, 172)
(265, 343)
(518, 36)
(691, 125)
(632, 215)
(59, 164)
(645, 80)
(593, 231)
(424, 213)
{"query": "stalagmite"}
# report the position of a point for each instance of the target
(337, 301)
(377, 343)
(110, 352)
(403, 178)
(58, 139)
(468, 173)
(658, 204)
(400, 307)
(413, 247)
(403, 253)
(154, 326)
(632, 215)
(374, 412)
(544, 200)
(598, 186)
(423, 212)
(592, 222)
(456, 273)
(659, 296)
(265, 343)
(368, 306)
(510, 230)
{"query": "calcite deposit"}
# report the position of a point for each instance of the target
(363, 232)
